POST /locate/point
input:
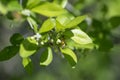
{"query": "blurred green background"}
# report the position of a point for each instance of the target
(102, 64)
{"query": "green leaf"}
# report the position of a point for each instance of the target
(32, 3)
(62, 20)
(49, 9)
(70, 56)
(33, 24)
(115, 21)
(28, 47)
(24, 3)
(27, 63)
(14, 6)
(3, 9)
(75, 22)
(8, 52)
(16, 39)
(47, 57)
(72, 44)
(62, 3)
(47, 25)
(80, 37)
(105, 45)
(65, 18)
(69, 21)
(59, 27)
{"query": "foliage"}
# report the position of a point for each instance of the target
(60, 31)
(54, 34)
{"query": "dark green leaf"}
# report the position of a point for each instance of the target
(24, 3)
(83, 26)
(10, 15)
(105, 45)
(97, 25)
(8, 52)
(28, 47)
(104, 8)
(115, 21)
(16, 39)
(46, 57)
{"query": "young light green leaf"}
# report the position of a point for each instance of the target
(75, 22)
(14, 6)
(59, 27)
(3, 9)
(33, 24)
(49, 9)
(27, 63)
(47, 57)
(47, 25)
(72, 44)
(28, 47)
(62, 20)
(80, 37)
(69, 21)
(16, 39)
(32, 3)
(62, 3)
(70, 56)
(8, 52)
(65, 18)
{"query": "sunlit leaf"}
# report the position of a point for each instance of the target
(49, 9)
(69, 21)
(62, 3)
(28, 47)
(59, 27)
(16, 39)
(27, 63)
(62, 20)
(80, 37)
(32, 3)
(70, 56)
(8, 52)
(65, 18)
(46, 57)
(47, 25)
(33, 24)
(72, 44)
(75, 22)
(3, 9)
